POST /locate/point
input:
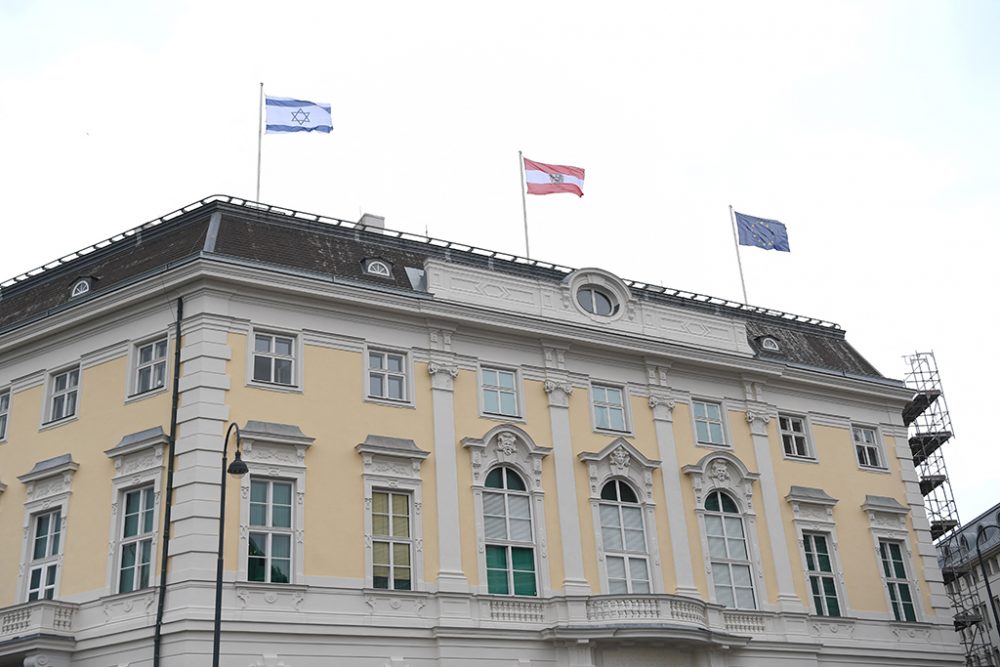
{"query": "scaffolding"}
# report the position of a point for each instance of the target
(929, 424)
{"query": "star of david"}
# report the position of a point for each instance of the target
(301, 117)
(555, 178)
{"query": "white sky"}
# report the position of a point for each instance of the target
(870, 128)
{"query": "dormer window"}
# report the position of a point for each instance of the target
(80, 287)
(770, 344)
(377, 267)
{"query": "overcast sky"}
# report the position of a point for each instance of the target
(870, 128)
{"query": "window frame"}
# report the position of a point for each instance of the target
(6, 396)
(390, 539)
(48, 487)
(295, 358)
(375, 261)
(877, 447)
(508, 544)
(728, 561)
(722, 422)
(406, 373)
(625, 554)
(805, 434)
(132, 382)
(51, 394)
(268, 529)
(147, 490)
(498, 388)
(817, 572)
(889, 582)
(596, 405)
(50, 562)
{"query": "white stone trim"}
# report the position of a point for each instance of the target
(626, 411)
(812, 513)
(888, 522)
(621, 460)
(133, 364)
(50, 378)
(723, 404)
(46, 490)
(273, 456)
(508, 445)
(298, 363)
(521, 416)
(394, 471)
(723, 471)
(137, 464)
(409, 399)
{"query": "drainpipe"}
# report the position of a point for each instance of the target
(174, 400)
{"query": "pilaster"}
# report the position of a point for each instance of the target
(559, 390)
(443, 371)
(661, 403)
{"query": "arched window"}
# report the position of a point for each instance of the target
(624, 539)
(510, 546)
(80, 287)
(727, 547)
(377, 267)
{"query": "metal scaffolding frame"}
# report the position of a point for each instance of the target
(929, 424)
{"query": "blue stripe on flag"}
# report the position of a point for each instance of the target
(298, 128)
(288, 102)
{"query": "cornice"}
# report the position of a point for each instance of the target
(174, 280)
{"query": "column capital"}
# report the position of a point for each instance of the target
(442, 375)
(662, 405)
(559, 393)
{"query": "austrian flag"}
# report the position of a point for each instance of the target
(547, 179)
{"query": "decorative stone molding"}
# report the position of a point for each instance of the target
(620, 458)
(758, 417)
(274, 451)
(49, 478)
(662, 406)
(722, 471)
(810, 505)
(139, 452)
(554, 357)
(442, 375)
(511, 446)
(559, 393)
(507, 444)
(440, 339)
(812, 511)
(607, 281)
(886, 514)
(389, 457)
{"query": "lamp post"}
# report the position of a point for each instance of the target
(980, 531)
(238, 468)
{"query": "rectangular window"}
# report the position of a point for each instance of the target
(387, 375)
(894, 570)
(793, 436)
(44, 565)
(4, 410)
(499, 392)
(150, 366)
(866, 446)
(609, 407)
(64, 394)
(392, 565)
(136, 553)
(269, 556)
(510, 568)
(273, 359)
(708, 423)
(819, 569)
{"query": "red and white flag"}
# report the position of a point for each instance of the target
(547, 179)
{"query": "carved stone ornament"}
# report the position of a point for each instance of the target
(433, 368)
(620, 459)
(509, 444)
(551, 386)
(723, 471)
(658, 401)
(762, 417)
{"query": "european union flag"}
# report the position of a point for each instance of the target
(761, 232)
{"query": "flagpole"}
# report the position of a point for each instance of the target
(260, 135)
(524, 206)
(739, 262)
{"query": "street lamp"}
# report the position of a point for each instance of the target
(980, 531)
(237, 468)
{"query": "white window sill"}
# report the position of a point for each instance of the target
(389, 402)
(883, 471)
(503, 418)
(801, 459)
(273, 386)
(132, 398)
(611, 431)
(59, 422)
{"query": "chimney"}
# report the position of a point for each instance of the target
(372, 223)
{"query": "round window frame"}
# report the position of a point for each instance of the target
(607, 284)
(595, 289)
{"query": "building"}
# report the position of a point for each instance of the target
(967, 578)
(456, 457)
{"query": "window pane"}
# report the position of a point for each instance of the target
(374, 360)
(728, 505)
(283, 371)
(721, 575)
(282, 546)
(496, 582)
(514, 481)
(61, 382)
(627, 494)
(713, 525)
(282, 494)
(635, 540)
(395, 363)
(283, 346)
(262, 369)
(280, 570)
(262, 343)
(380, 553)
(717, 547)
(145, 379)
(495, 528)
(395, 387)
(506, 380)
(401, 555)
(702, 430)
(401, 526)
(724, 596)
(380, 576)
(524, 583)
(508, 405)
(716, 433)
(734, 527)
(617, 420)
(375, 385)
(258, 492)
(400, 505)
(490, 377)
(126, 580)
(161, 349)
(281, 516)
(637, 569)
(57, 407)
(520, 530)
(380, 502)
(496, 557)
(601, 417)
(401, 582)
(131, 525)
(494, 480)
(519, 506)
(744, 598)
(128, 555)
(491, 402)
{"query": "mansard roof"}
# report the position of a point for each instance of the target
(286, 240)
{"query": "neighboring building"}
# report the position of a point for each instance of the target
(963, 575)
(456, 457)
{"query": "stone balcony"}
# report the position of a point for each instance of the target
(42, 617)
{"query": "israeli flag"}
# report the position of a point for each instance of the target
(285, 114)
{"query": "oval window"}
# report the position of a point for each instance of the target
(769, 343)
(596, 301)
